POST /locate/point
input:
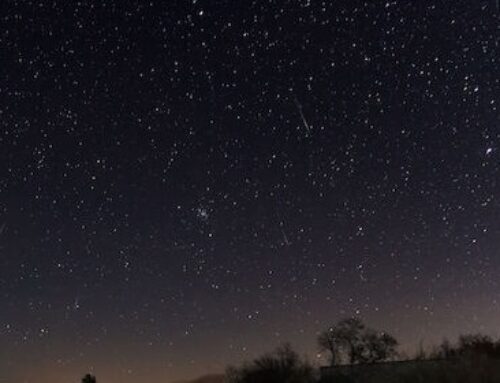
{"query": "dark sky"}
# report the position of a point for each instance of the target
(186, 184)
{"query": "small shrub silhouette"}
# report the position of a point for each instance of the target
(88, 378)
(283, 366)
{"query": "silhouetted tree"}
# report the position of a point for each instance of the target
(421, 354)
(343, 341)
(283, 366)
(471, 345)
(352, 342)
(89, 379)
(328, 342)
(378, 346)
(444, 351)
(476, 344)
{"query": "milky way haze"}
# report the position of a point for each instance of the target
(186, 184)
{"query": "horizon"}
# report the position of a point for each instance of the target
(60, 373)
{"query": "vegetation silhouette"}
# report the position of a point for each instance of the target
(472, 359)
(469, 346)
(360, 354)
(351, 341)
(283, 365)
(88, 378)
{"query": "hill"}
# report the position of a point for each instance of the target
(212, 378)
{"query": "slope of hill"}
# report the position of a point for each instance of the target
(212, 378)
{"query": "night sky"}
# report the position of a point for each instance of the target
(187, 184)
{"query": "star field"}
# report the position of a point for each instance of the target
(186, 184)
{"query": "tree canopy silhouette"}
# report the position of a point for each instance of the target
(470, 345)
(350, 341)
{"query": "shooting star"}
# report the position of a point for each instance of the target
(281, 225)
(302, 116)
(285, 238)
